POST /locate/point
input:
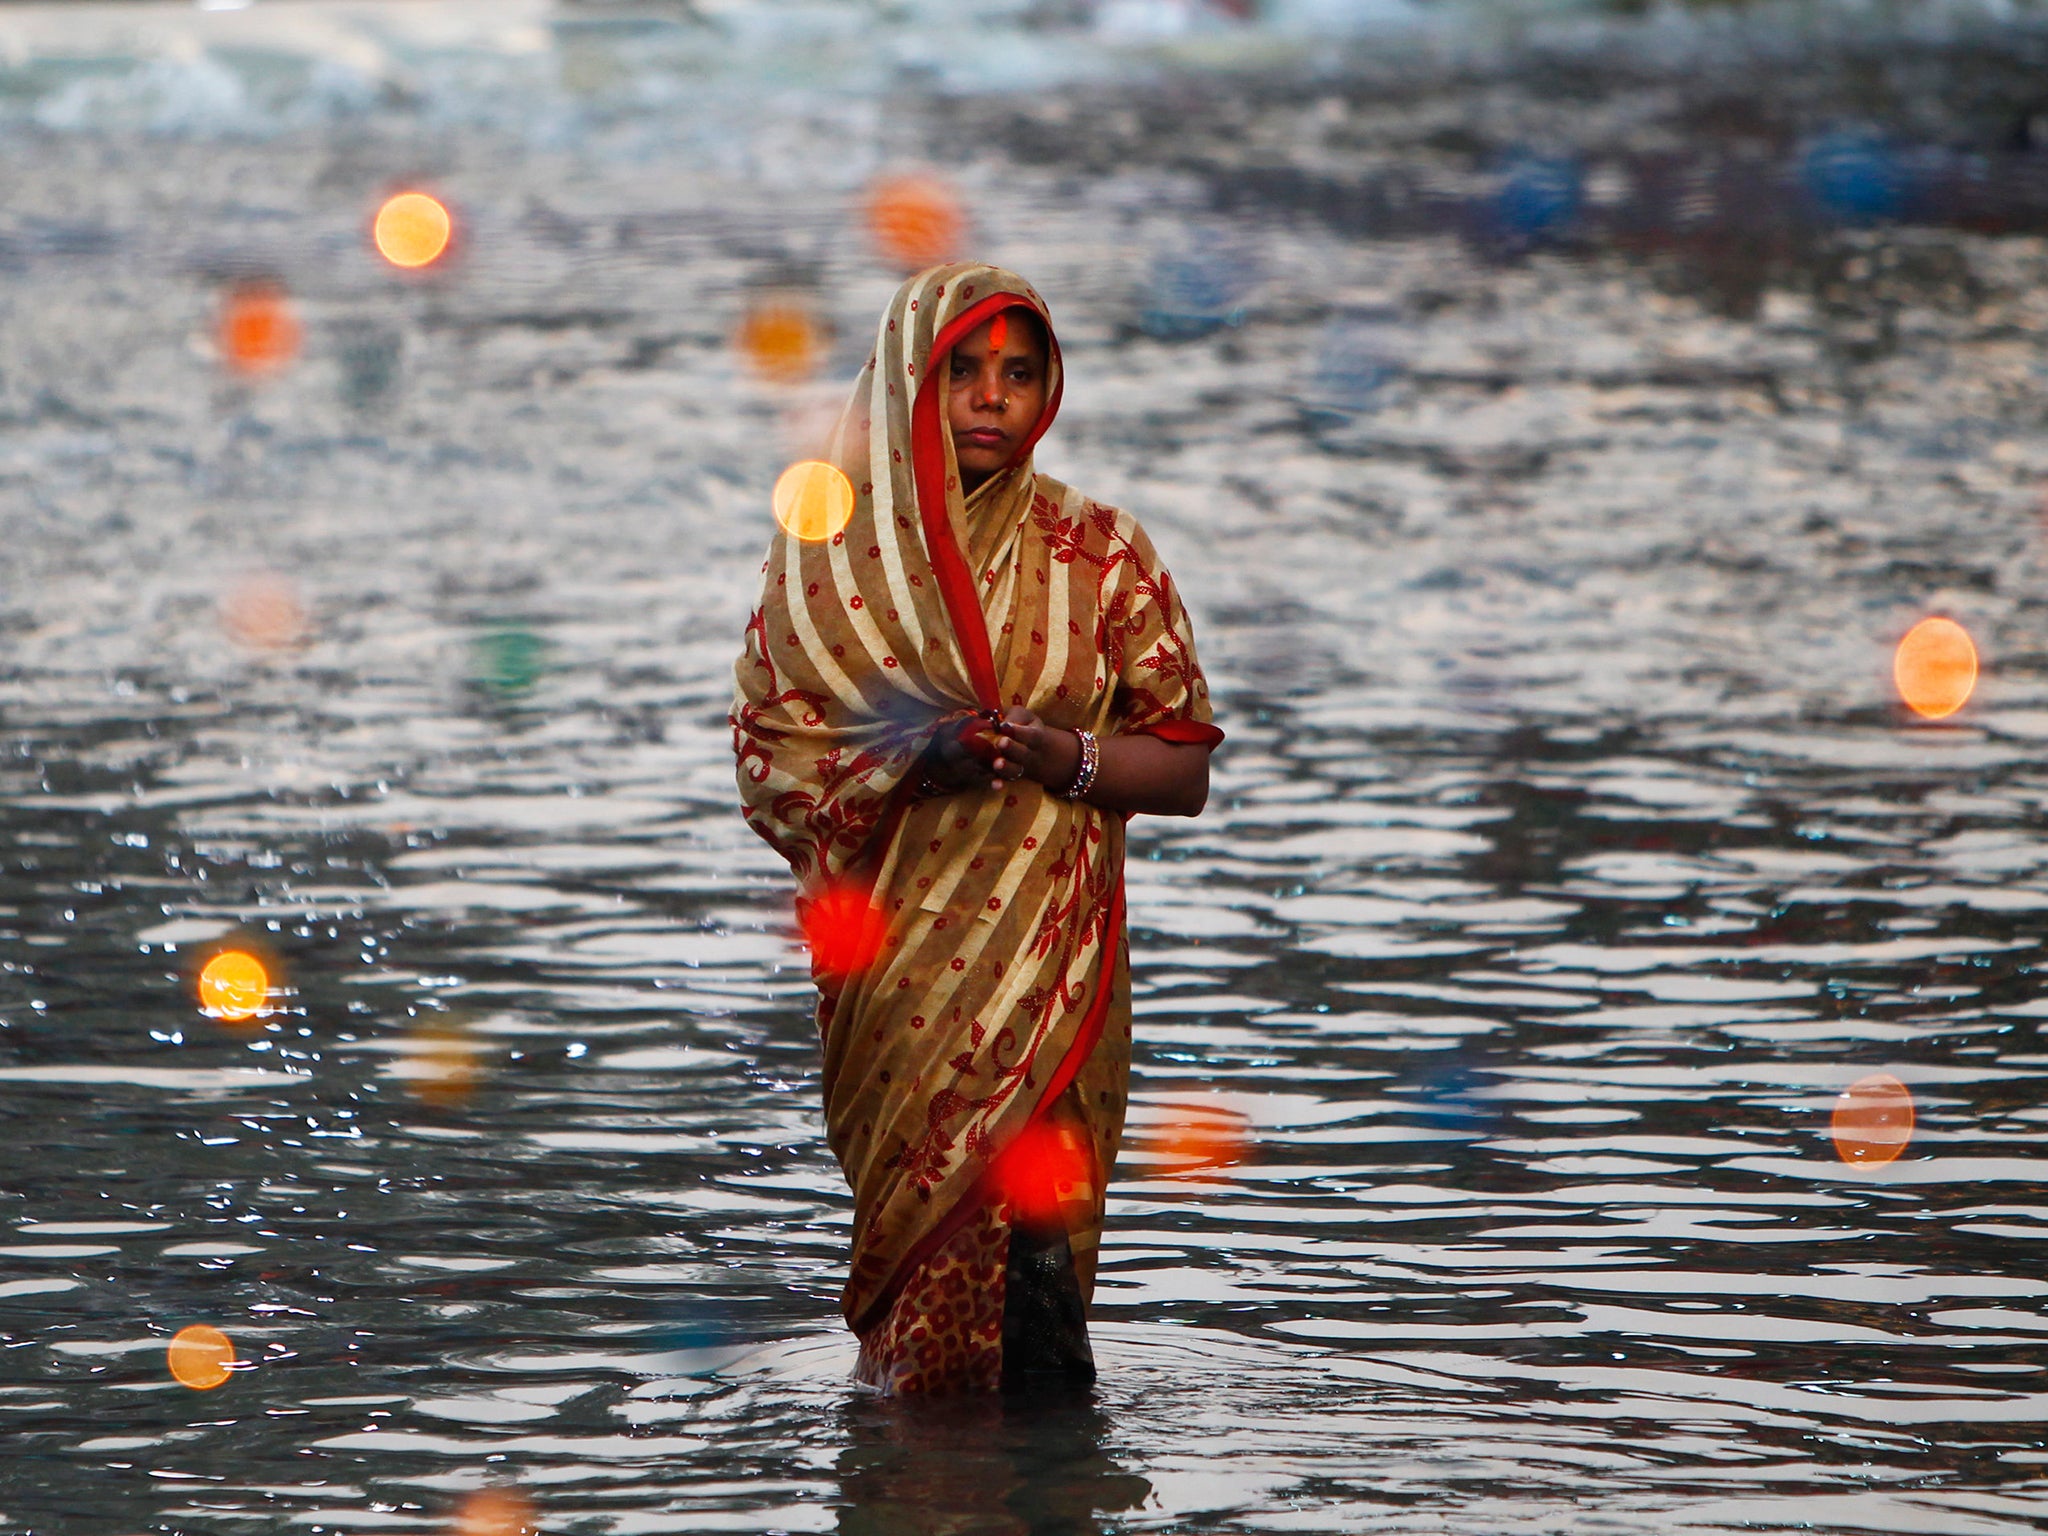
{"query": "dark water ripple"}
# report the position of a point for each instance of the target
(1567, 860)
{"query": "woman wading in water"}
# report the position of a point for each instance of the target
(945, 713)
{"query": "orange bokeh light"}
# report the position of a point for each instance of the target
(412, 230)
(494, 1512)
(780, 341)
(257, 331)
(234, 987)
(915, 220)
(1935, 668)
(813, 500)
(844, 932)
(1199, 1138)
(443, 1068)
(1873, 1120)
(263, 612)
(201, 1357)
(1046, 1167)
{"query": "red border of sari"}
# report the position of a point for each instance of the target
(928, 473)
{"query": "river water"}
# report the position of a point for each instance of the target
(1569, 855)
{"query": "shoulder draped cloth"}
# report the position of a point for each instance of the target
(995, 979)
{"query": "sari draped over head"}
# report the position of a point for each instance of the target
(968, 948)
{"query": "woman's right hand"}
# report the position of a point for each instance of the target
(952, 763)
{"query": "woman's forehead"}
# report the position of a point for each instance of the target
(1015, 330)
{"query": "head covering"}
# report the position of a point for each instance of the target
(870, 637)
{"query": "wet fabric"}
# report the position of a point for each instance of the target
(968, 948)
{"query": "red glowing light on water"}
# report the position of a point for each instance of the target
(915, 220)
(844, 932)
(257, 331)
(412, 230)
(1046, 1167)
(1935, 668)
(1873, 1120)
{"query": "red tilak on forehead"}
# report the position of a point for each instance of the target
(998, 332)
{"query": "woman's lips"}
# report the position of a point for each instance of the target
(985, 437)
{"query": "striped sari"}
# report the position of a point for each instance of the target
(969, 948)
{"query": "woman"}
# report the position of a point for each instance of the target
(944, 713)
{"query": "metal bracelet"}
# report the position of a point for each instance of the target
(1084, 776)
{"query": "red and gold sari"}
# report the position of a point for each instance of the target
(969, 948)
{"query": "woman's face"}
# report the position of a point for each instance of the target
(995, 392)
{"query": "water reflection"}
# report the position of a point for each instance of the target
(1004, 1467)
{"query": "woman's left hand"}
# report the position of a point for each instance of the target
(1027, 748)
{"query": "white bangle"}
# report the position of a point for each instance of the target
(1084, 775)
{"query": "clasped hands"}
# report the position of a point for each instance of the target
(971, 753)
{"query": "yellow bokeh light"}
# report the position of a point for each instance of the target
(201, 1357)
(813, 500)
(1935, 668)
(413, 230)
(1873, 1121)
(234, 986)
(780, 341)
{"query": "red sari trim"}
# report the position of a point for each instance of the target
(928, 468)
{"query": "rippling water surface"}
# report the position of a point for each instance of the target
(1567, 859)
